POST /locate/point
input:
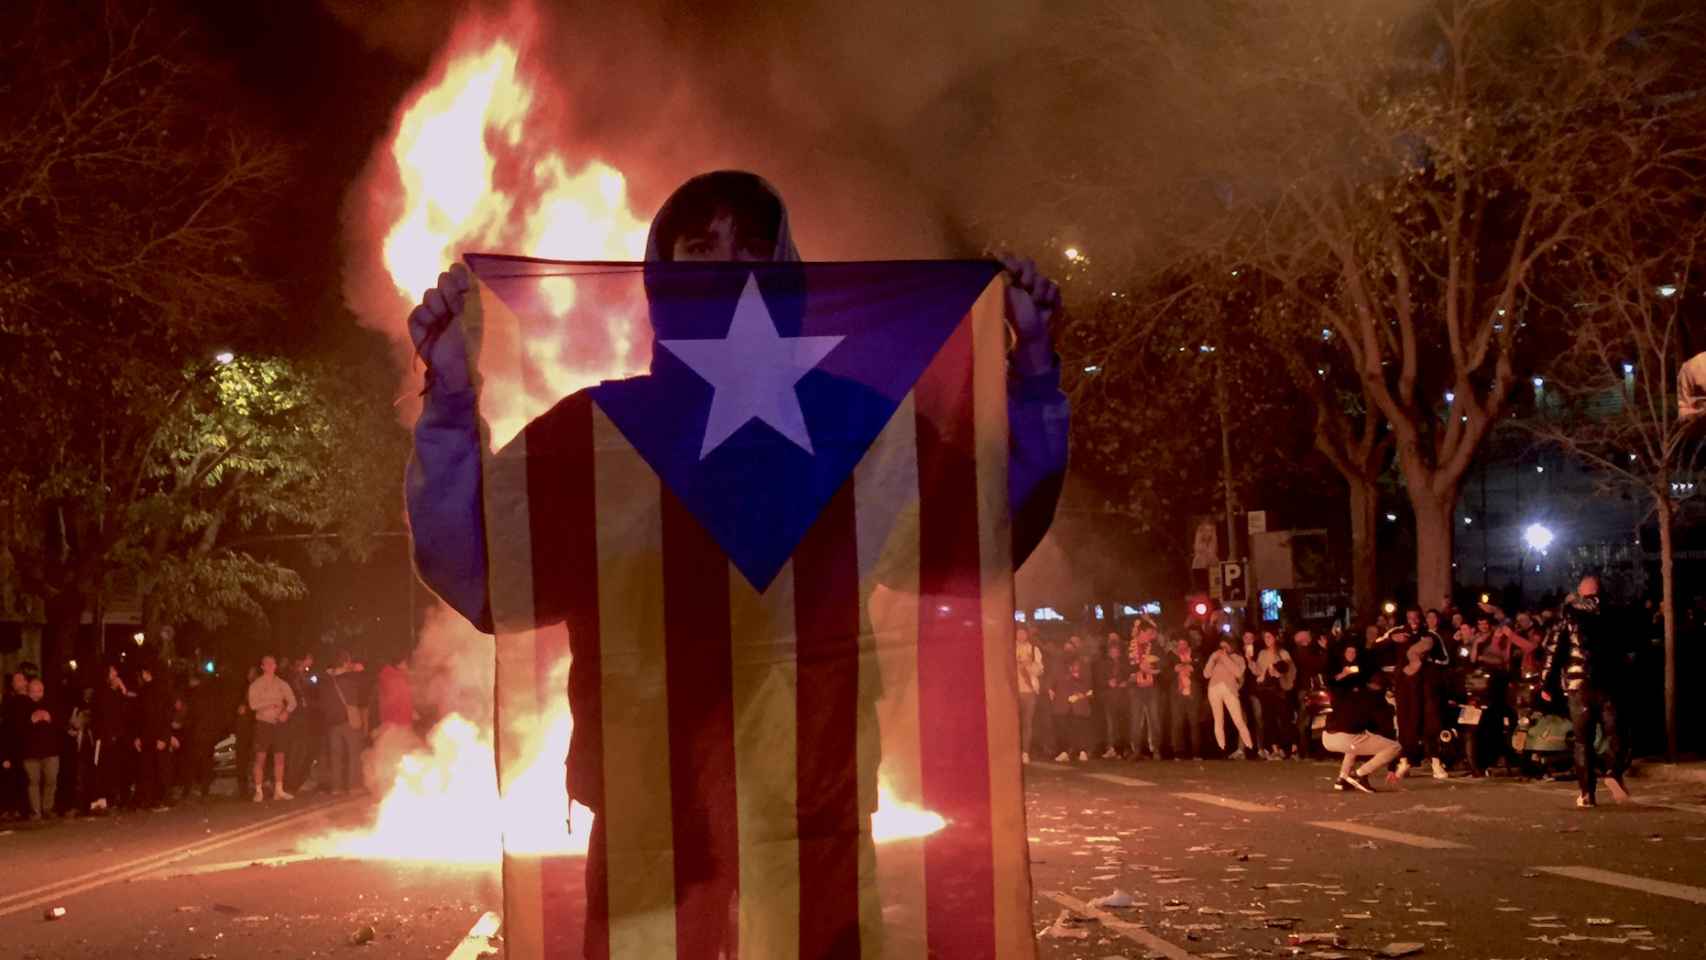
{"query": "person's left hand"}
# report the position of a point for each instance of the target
(1032, 301)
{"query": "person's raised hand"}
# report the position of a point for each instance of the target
(436, 334)
(1032, 302)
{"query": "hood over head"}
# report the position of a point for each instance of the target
(746, 195)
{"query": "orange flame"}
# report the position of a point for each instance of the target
(465, 170)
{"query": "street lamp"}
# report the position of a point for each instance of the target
(1072, 254)
(224, 357)
(1537, 537)
(138, 637)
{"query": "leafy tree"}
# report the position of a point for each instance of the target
(133, 206)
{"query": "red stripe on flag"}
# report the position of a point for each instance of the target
(959, 867)
(561, 513)
(826, 620)
(700, 676)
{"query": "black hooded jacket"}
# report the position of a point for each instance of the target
(1580, 652)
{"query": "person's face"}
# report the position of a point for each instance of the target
(1350, 654)
(1226, 644)
(20, 683)
(1589, 587)
(269, 666)
(1249, 638)
(1457, 620)
(1433, 620)
(1483, 625)
(1183, 648)
(1269, 640)
(1413, 618)
(37, 690)
(719, 240)
(1076, 669)
(1073, 643)
(1301, 638)
(1023, 635)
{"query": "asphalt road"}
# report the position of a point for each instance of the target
(1220, 860)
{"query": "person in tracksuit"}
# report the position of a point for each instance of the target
(1585, 660)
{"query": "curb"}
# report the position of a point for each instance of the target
(1681, 772)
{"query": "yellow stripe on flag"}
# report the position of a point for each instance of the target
(766, 689)
(509, 549)
(891, 876)
(1013, 937)
(638, 824)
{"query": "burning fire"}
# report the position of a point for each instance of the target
(465, 171)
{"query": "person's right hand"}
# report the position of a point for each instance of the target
(436, 334)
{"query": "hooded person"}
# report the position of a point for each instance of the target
(719, 217)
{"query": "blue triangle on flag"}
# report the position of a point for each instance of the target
(758, 491)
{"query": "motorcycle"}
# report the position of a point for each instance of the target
(1474, 726)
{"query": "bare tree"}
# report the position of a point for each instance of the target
(1617, 384)
(1468, 158)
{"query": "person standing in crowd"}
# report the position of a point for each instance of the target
(271, 701)
(14, 728)
(1275, 676)
(79, 765)
(1112, 677)
(43, 738)
(1184, 701)
(245, 723)
(1247, 699)
(304, 735)
(1072, 694)
(115, 730)
(208, 724)
(1351, 725)
(343, 710)
(1145, 707)
(1028, 660)
(1585, 659)
(154, 741)
(397, 700)
(1225, 675)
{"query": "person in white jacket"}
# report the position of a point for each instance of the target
(1225, 673)
(1030, 664)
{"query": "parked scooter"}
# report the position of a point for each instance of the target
(1474, 724)
(1543, 739)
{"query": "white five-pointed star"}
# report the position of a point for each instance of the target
(752, 372)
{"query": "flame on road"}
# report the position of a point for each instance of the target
(468, 168)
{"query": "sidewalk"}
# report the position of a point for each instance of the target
(1687, 770)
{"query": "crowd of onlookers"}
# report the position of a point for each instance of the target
(1141, 692)
(152, 735)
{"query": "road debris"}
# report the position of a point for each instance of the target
(53, 913)
(1118, 900)
(362, 936)
(1401, 949)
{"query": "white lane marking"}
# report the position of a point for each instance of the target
(1394, 836)
(1663, 888)
(478, 942)
(70, 886)
(1124, 928)
(205, 868)
(1227, 802)
(1122, 781)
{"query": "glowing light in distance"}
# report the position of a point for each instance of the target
(1537, 536)
(1667, 290)
(1389, 607)
(224, 357)
(1072, 254)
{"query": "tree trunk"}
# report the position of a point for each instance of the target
(1365, 559)
(59, 640)
(1667, 608)
(1434, 533)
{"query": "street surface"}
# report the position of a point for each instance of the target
(1221, 860)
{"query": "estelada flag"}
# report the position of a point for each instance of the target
(783, 558)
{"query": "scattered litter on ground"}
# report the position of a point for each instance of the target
(1118, 900)
(53, 913)
(1599, 921)
(1067, 926)
(362, 936)
(1401, 949)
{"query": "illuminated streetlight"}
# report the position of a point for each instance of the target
(138, 637)
(1071, 253)
(1392, 518)
(1539, 382)
(224, 357)
(1537, 536)
(1667, 290)
(1628, 369)
(1389, 608)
